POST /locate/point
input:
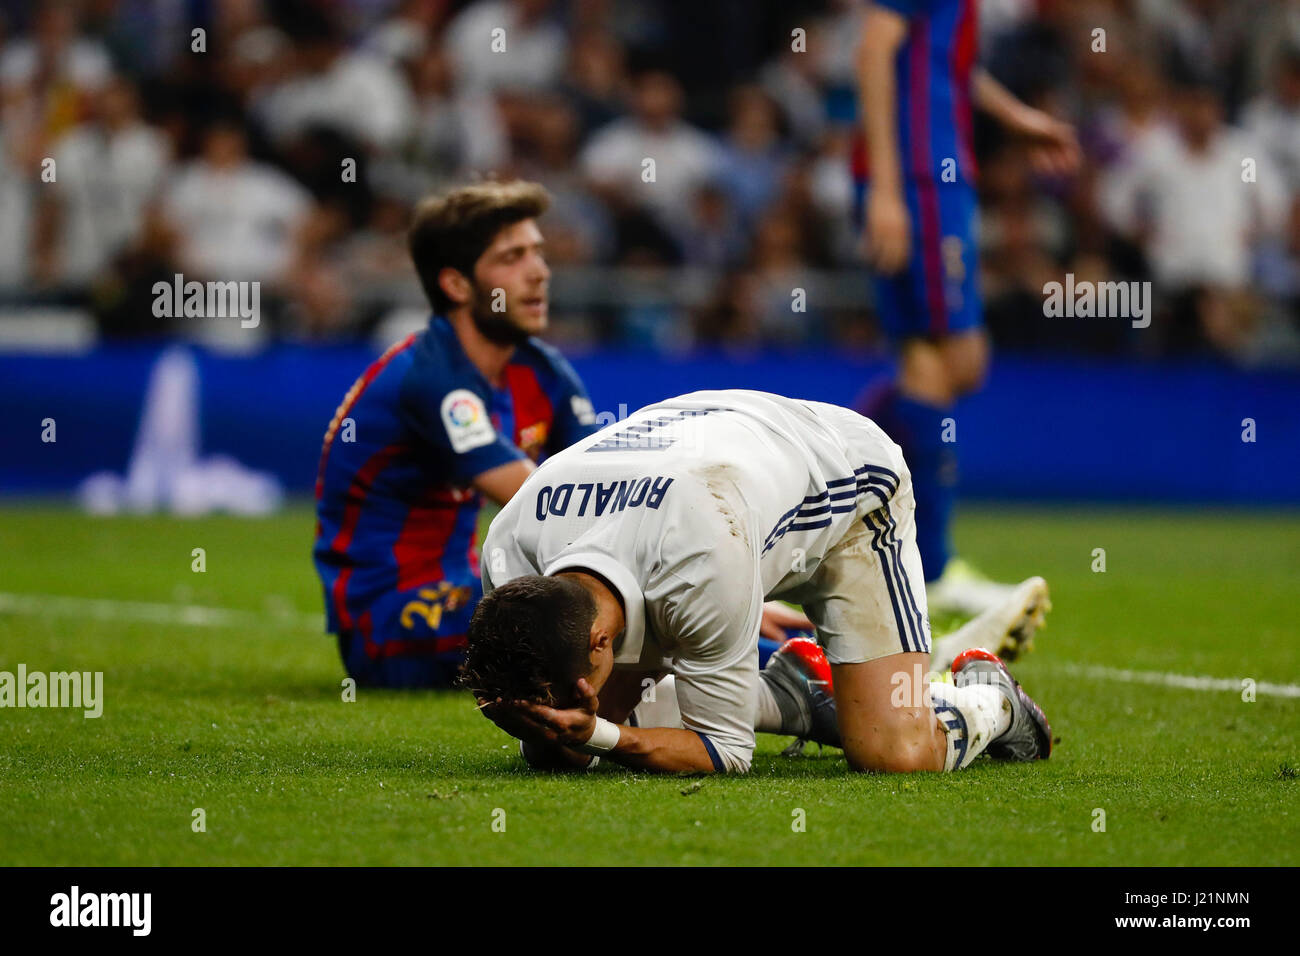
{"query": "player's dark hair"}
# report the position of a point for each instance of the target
(530, 639)
(454, 229)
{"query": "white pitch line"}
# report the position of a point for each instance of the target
(1181, 681)
(106, 609)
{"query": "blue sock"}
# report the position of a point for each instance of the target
(918, 429)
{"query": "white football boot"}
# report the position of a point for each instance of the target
(962, 591)
(1007, 628)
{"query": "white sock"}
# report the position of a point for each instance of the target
(973, 716)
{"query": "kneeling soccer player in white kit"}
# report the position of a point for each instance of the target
(651, 546)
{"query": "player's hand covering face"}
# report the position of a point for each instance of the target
(537, 723)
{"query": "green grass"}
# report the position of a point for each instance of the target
(247, 722)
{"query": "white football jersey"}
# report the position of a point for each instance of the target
(696, 510)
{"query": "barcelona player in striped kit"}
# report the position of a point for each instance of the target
(915, 173)
(453, 414)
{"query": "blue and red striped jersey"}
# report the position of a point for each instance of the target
(933, 75)
(395, 503)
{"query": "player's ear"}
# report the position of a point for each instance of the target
(600, 638)
(454, 285)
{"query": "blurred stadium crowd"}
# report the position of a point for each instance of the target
(229, 163)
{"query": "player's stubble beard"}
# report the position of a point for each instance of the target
(497, 327)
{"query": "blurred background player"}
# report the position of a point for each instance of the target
(915, 185)
(444, 418)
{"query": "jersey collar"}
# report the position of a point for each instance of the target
(629, 647)
(441, 326)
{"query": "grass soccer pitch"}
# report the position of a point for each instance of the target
(221, 695)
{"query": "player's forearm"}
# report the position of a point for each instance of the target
(662, 749)
(882, 34)
(499, 484)
(998, 101)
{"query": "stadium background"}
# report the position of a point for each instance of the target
(227, 164)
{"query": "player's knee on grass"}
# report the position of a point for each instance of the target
(905, 745)
(880, 730)
(734, 759)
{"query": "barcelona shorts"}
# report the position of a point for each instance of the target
(937, 293)
(413, 638)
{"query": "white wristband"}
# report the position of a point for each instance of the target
(603, 739)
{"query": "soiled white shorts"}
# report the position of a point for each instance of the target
(867, 597)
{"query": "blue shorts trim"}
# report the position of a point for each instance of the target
(718, 765)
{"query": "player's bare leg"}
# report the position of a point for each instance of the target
(880, 728)
(939, 373)
(966, 360)
(923, 374)
(893, 720)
